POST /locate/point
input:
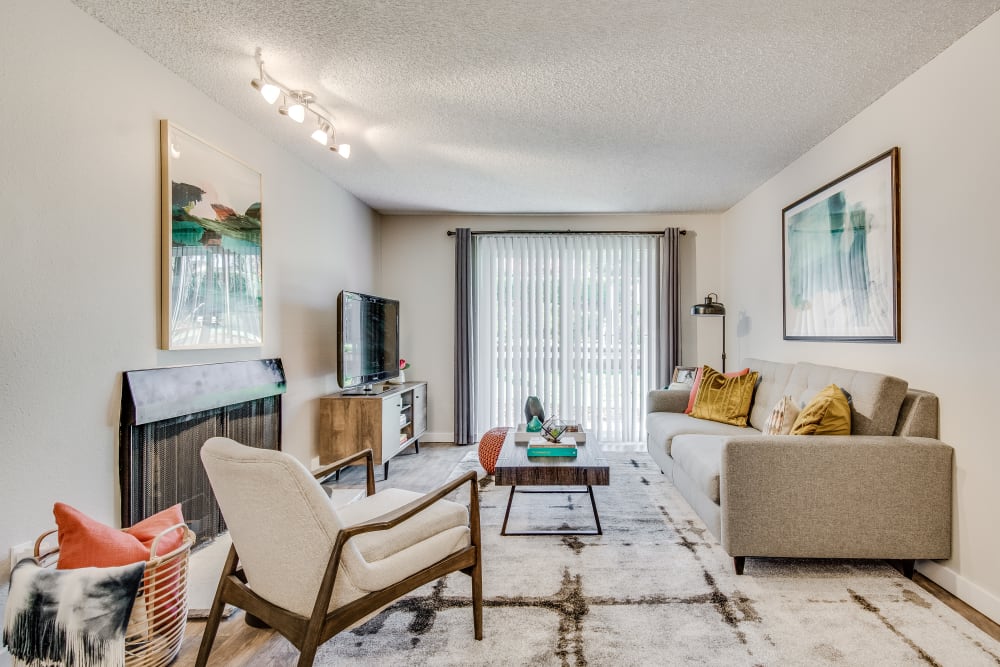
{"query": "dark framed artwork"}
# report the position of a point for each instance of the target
(840, 257)
(211, 246)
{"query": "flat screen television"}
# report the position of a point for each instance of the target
(368, 340)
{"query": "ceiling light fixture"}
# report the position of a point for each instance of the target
(296, 104)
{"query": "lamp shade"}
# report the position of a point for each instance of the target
(709, 307)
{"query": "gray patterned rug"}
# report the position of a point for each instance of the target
(655, 589)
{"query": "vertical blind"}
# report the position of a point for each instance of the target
(572, 319)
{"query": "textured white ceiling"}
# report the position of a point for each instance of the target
(551, 105)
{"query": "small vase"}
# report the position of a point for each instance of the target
(400, 379)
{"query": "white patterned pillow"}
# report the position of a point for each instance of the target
(782, 417)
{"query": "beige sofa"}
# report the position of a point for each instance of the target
(882, 492)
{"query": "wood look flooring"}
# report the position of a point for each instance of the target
(238, 644)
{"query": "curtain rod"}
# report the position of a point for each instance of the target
(451, 232)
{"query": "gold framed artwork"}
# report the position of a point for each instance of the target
(211, 277)
(684, 374)
(840, 251)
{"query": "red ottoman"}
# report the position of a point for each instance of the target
(489, 447)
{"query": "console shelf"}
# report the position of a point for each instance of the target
(350, 424)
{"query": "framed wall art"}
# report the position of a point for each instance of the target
(840, 253)
(211, 278)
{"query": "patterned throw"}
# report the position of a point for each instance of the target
(72, 617)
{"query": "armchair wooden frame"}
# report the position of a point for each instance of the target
(307, 633)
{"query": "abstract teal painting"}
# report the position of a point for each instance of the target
(211, 261)
(840, 251)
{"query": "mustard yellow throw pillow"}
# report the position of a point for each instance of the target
(724, 399)
(827, 414)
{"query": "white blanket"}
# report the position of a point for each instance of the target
(72, 617)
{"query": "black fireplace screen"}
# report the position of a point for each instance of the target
(160, 464)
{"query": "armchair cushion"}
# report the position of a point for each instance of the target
(438, 518)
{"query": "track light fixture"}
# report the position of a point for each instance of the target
(296, 104)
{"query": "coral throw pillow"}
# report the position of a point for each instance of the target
(697, 383)
(828, 413)
(782, 417)
(724, 399)
(147, 530)
(490, 446)
(86, 542)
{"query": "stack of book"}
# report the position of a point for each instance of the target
(539, 446)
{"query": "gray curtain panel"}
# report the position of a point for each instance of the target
(669, 320)
(464, 427)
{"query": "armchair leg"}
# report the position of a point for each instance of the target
(477, 597)
(738, 563)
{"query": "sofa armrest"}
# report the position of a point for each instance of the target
(836, 497)
(667, 400)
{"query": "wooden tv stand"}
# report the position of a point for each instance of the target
(388, 423)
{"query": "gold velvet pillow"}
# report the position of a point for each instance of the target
(828, 413)
(724, 399)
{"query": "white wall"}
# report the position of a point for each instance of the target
(418, 268)
(80, 271)
(946, 120)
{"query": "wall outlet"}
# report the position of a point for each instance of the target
(20, 552)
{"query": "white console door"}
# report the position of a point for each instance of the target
(391, 408)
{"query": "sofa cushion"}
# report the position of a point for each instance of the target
(700, 457)
(770, 388)
(724, 399)
(663, 426)
(828, 413)
(876, 397)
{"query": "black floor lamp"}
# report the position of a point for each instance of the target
(713, 308)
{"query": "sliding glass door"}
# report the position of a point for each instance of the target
(572, 319)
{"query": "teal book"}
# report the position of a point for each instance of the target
(551, 451)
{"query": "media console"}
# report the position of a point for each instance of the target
(387, 422)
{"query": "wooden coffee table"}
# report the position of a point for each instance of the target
(514, 468)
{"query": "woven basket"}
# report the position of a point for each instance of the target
(159, 615)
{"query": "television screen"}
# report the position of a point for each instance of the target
(369, 339)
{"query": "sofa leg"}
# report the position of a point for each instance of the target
(905, 566)
(738, 563)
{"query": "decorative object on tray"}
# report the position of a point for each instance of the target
(401, 378)
(533, 408)
(533, 426)
(840, 249)
(522, 434)
(553, 429)
(210, 247)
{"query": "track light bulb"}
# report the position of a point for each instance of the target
(344, 150)
(297, 112)
(321, 134)
(268, 91)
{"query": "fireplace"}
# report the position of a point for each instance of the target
(168, 414)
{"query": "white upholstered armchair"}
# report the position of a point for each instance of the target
(310, 569)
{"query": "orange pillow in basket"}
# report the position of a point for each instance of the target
(147, 530)
(697, 383)
(85, 542)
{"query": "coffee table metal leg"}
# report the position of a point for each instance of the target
(506, 515)
(593, 504)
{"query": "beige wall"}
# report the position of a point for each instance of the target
(946, 120)
(79, 189)
(418, 268)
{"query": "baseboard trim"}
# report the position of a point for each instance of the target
(968, 592)
(437, 437)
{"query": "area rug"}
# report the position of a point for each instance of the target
(655, 589)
